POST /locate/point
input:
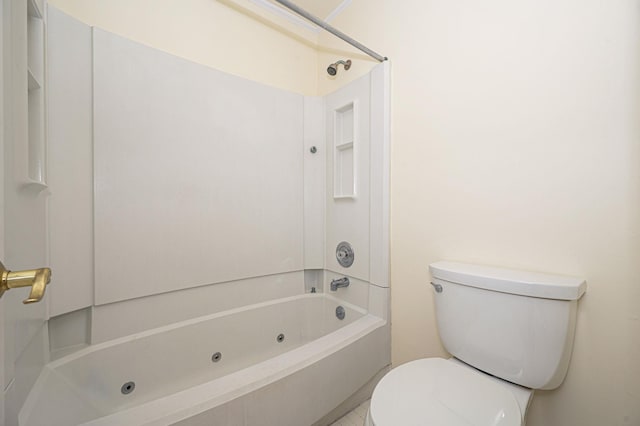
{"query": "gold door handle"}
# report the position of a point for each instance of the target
(37, 279)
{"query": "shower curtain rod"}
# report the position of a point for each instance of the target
(322, 24)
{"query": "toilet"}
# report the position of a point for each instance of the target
(510, 332)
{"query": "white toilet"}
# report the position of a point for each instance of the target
(510, 332)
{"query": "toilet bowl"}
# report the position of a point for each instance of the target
(437, 391)
(509, 332)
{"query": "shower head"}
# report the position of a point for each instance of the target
(333, 68)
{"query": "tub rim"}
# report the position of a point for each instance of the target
(191, 321)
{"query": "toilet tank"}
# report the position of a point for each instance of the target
(515, 325)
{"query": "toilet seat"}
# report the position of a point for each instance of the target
(439, 392)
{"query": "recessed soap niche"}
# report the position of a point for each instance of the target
(344, 181)
(35, 172)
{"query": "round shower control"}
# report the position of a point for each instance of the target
(344, 254)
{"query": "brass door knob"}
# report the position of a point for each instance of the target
(37, 279)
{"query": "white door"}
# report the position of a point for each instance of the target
(2, 119)
(23, 220)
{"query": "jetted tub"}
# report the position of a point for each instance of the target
(289, 361)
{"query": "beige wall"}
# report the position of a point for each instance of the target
(208, 32)
(516, 142)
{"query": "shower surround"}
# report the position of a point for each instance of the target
(212, 200)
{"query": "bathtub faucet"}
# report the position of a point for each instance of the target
(338, 283)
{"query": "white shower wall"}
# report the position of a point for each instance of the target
(70, 162)
(183, 177)
(198, 174)
(347, 205)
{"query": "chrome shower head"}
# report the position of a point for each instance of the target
(333, 68)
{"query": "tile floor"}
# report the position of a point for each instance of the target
(355, 417)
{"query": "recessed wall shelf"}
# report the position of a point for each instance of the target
(34, 173)
(344, 183)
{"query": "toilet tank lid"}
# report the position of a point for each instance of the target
(524, 283)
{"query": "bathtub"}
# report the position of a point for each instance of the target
(284, 362)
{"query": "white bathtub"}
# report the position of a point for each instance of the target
(257, 381)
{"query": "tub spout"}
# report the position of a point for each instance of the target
(338, 283)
